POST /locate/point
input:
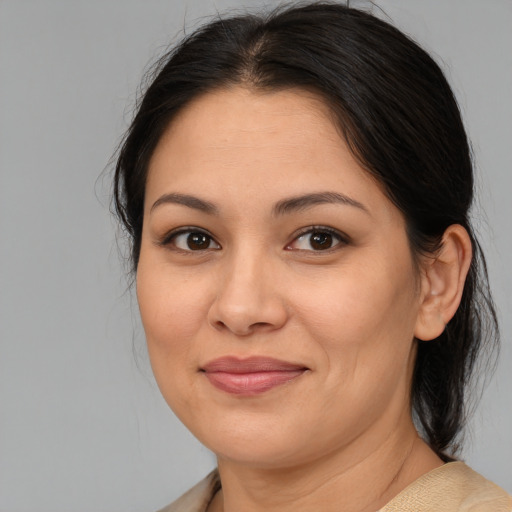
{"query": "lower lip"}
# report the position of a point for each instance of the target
(252, 383)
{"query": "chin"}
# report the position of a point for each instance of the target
(260, 440)
(258, 453)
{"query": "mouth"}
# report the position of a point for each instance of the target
(251, 376)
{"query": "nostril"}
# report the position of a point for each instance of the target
(241, 330)
(259, 325)
(219, 324)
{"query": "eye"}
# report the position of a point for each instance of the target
(191, 240)
(317, 239)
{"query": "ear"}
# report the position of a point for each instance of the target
(442, 282)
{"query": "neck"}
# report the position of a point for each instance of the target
(353, 479)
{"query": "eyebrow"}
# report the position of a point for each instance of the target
(283, 207)
(306, 201)
(186, 200)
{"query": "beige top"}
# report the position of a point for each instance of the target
(453, 487)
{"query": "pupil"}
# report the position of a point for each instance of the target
(321, 241)
(197, 241)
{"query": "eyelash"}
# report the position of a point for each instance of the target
(340, 238)
(171, 237)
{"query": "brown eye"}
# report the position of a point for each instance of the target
(194, 241)
(320, 241)
(197, 241)
(317, 240)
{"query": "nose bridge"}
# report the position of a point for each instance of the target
(247, 297)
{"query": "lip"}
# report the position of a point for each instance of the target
(250, 376)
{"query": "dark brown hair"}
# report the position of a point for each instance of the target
(398, 114)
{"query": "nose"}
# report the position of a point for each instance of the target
(249, 298)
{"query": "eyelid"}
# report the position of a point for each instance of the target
(167, 239)
(342, 237)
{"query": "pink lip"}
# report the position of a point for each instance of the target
(250, 376)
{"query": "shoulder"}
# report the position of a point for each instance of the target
(453, 487)
(198, 497)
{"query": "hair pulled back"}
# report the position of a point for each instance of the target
(394, 107)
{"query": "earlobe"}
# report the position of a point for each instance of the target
(442, 283)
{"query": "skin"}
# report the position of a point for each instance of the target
(340, 436)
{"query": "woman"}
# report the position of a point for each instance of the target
(297, 190)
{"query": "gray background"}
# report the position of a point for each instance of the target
(82, 425)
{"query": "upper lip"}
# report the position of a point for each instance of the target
(254, 364)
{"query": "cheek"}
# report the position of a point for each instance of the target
(363, 319)
(171, 311)
(355, 302)
(364, 330)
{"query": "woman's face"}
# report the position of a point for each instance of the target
(275, 282)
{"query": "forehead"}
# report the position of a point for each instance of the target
(241, 119)
(252, 145)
